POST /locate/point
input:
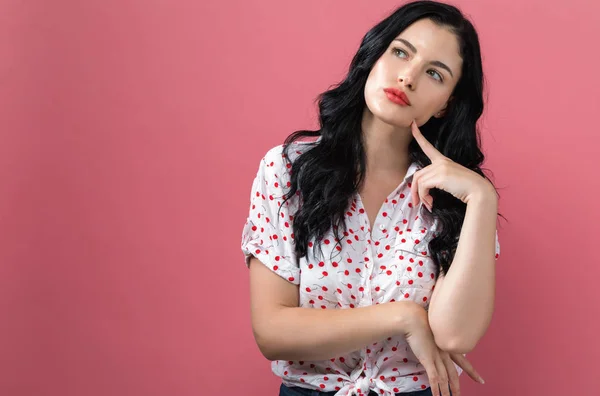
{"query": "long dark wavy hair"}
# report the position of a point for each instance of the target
(328, 175)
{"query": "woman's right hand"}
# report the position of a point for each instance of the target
(440, 368)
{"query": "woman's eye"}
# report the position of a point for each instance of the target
(398, 50)
(439, 76)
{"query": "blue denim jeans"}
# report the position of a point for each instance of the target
(297, 391)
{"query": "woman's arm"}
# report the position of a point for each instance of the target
(463, 301)
(285, 331)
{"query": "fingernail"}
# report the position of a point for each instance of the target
(481, 380)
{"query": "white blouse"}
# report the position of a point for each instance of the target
(386, 264)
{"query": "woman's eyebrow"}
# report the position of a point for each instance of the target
(414, 50)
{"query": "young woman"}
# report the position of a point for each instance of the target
(372, 249)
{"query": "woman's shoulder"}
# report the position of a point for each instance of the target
(275, 157)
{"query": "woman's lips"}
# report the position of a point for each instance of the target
(397, 96)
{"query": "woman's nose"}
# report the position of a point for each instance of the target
(406, 81)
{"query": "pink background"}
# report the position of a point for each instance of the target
(130, 132)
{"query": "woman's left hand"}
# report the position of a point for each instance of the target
(445, 174)
(463, 363)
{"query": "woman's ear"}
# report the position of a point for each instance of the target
(443, 111)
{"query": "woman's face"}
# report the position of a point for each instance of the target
(417, 63)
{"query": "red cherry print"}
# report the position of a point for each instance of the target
(326, 378)
(308, 289)
(321, 264)
(339, 291)
(322, 386)
(291, 278)
(406, 295)
(405, 360)
(346, 272)
(415, 379)
(388, 272)
(424, 298)
(380, 255)
(310, 244)
(410, 281)
(275, 268)
(351, 305)
(349, 286)
(377, 288)
(349, 261)
(420, 274)
(324, 288)
(417, 241)
(326, 242)
(254, 228)
(423, 387)
(409, 268)
(394, 349)
(361, 211)
(323, 307)
(401, 257)
(312, 302)
(358, 270)
(396, 390)
(335, 264)
(361, 289)
(325, 273)
(388, 247)
(310, 266)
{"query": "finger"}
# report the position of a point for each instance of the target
(452, 374)
(428, 148)
(424, 188)
(433, 376)
(463, 363)
(414, 192)
(443, 376)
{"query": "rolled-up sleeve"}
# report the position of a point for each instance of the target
(267, 233)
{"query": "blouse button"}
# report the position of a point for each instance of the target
(381, 226)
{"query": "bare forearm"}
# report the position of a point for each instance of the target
(463, 308)
(315, 334)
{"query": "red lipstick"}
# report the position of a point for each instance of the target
(397, 96)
